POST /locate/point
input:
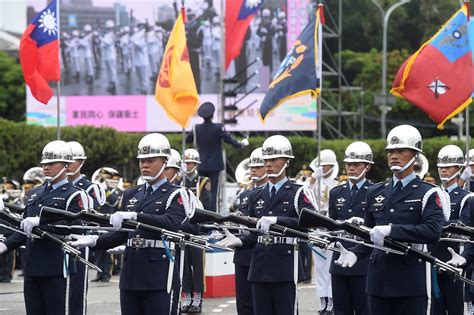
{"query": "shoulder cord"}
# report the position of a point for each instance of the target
(444, 198)
(308, 193)
(82, 194)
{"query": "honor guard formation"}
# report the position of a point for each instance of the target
(401, 246)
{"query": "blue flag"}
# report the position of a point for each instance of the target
(300, 71)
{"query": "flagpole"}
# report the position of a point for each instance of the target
(58, 83)
(468, 183)
(320, 8)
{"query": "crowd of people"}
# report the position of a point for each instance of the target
(364, 278)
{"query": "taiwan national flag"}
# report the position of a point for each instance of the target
(39, 53)
(238, 15)
(438, 77)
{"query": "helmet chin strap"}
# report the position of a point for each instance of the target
(448, 179)
(328, 172)
(192, 170)
(53, 178)
(152, 178)
(257, 179)
(280, 172)
(174, 177)
(400, 169)
(358, 177)
(78, 169)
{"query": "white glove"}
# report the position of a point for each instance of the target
(456, 259)
(244, 142)
(347, 259)
(82, 241)
(29, 223)
(379, 233)
(117, 250)
(264, 223)
(216, 235)
(3, 248)
(466, 174)
(318, 173)
(230, 240)
(117, 218)
(355, 220)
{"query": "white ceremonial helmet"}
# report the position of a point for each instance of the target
(153, 145)
(450, 155)
(109, 24)
(191, 156)
(277, 147)
(256, 158)
(328, 157)
(174, 160)
(56, 151)
(404, 137)
(471, 157)
(77, 150)
(358, 152)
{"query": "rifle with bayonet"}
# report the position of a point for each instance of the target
(49, 214)
(309, 218)
(14, 219)
(203, 216)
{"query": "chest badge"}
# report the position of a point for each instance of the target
(244, 200)
(260, 204)
(379, 198)
(341, 200)
(34, 196)
(132, 201)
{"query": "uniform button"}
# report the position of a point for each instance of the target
(137, 236)
(350, 210)
(411, 208)
(392, 210)
(419, 260)
(40, 205)
(163, 256)
(289, 252)
(56, 204)
(269, 212)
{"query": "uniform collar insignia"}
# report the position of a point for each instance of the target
(33, 196)
(379, 198)
(341, 200)
(414, 186)
(133, 201)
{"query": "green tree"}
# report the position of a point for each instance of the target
(12, 89)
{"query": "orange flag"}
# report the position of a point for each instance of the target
(175, 87)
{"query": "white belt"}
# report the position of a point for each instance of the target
(270, 240)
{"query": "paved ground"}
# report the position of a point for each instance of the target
(103, 299)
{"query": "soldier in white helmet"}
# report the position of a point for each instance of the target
(193, 277)
(242, 257)
(75, 54)
(322, 181)
(109, 55)
(140, 57)
(147, 273)
(78, 288)
(466, 175)
(173, 168)
(347, 202)
(449, 295)
(405, 209)
(126, 46)
(273, 273)
(47, 267)
(86, 47)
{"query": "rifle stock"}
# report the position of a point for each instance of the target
(309, 218)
